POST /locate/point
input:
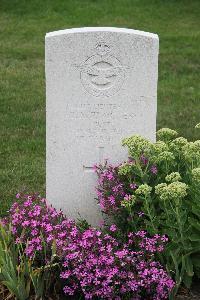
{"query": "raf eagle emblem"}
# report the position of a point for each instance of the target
(101, 76)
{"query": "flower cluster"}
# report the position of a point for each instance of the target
(191, 152)
(126, 168)
(113, 192)
(155, 179)
(173, 177)
(101, 267)
(196, 175)
(144, 190)
(93, 263)
(129, 201)
(109, 181)
(38, 225)
(149, 165)
(138, 145)
(177, 144)
(173, 191)
(159, 147)
(165, 156)
(166, 134)
(152, 244)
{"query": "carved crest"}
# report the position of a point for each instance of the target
(102, 74)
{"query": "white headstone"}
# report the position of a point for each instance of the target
(101, 86)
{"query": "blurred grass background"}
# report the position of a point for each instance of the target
(23, 24)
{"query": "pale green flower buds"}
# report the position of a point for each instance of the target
(196, 174)
(144, 190)
(174, 191)
(160, 146)
(165, 156)
(159, 188)
(177, 144)
(197, 144)
(137, 145)
(173, 177)
(198, 126)
(191, 151)
(166, 134)
(125, 169)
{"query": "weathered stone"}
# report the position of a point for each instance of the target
(101, 86)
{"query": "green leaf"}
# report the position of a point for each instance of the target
(195, 223)
(196, 210)
(187, 280)
(194, 237)
(189, 265)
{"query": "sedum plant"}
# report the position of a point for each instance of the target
(158, 190)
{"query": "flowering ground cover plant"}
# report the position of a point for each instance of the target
(158, 190)
(44, 255)
(153, 233)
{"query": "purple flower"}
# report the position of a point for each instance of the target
(144, 159)
(131, 160)
(18, 195)
(133, 186)
(110, 190)
(127, 197)
(154, 169)
(113, 228)
(111, 199)
(94, 263)
(140, 214)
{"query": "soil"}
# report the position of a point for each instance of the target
(194, 294)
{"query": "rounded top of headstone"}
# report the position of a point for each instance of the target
(101, 29)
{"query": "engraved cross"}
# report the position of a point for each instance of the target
(90, 169)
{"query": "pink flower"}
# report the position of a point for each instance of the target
(121, 253)
(34, 232)
(144, 159)
(127, 197)
(94, 263)
(65, 274)
(154, 169)
(25, 223)
(28, 203)
(164, 238)
(133, 186)
(48, 228)
(140, 214)
(50, 238)
(113, 228)
(112, 199)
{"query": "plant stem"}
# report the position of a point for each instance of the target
(149, 214)
(180, 226)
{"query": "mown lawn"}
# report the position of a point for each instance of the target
(23, 24)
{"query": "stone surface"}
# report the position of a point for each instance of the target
(101, 86)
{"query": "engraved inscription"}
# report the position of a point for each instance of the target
(102, 74)
(97, 121)
(100, 111)
(89, 169)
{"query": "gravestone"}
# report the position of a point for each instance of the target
(101, 86)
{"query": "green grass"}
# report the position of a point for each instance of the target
(23, 24)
